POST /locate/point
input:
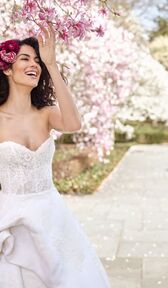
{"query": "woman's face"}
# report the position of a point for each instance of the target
(26, 70)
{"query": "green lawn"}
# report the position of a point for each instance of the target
(88, 176)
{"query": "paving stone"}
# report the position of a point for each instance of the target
(124, 272)
(101, 244)
(126, 219)
(133, 222)
(142, 249)
(155, 268)
(155, 221)
(154, 283)
(145, 235)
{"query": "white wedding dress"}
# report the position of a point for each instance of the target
(42, 244)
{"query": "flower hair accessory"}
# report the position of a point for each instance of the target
(8, 52)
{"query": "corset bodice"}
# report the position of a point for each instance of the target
(25, 171)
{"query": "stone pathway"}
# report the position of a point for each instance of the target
(127, 219)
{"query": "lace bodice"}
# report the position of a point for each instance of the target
(26, 171)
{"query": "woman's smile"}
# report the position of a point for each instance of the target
(27, 62)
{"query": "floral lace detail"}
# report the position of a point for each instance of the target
(25, 171)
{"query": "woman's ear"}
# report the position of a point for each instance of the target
(7, 72)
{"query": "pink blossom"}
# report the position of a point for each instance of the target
(77, 18)
(100, 31)
(42, 16)
(103, 11)
(29, 6)
(64, 35)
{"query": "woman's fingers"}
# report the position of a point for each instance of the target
(45, 30)
(40, 40)
(51, 29)
(48, 35)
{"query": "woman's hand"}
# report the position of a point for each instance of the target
(47, 45)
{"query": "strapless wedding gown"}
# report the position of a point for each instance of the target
(42, 244)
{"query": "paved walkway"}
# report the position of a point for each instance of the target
(127, 219)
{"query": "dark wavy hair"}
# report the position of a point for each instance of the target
(43, 94)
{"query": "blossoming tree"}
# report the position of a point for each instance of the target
(149, 101)
(103, 71)
(102, 75)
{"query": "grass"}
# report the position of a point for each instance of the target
(90, 175)
(146, 133)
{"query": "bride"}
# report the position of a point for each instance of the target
(42, 245)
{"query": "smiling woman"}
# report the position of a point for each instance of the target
(41, 242)
(43, 91)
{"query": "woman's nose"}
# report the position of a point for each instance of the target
(33, 62)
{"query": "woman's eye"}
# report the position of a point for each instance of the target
(26, 59)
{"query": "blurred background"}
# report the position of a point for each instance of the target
(121, 84)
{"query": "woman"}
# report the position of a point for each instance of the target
(42, 245)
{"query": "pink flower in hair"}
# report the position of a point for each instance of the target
(8, 52)
(8, 57)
